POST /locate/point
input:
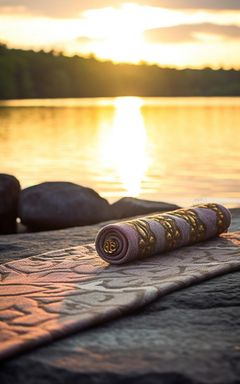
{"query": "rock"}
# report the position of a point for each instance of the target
(130, 206)
(55, 205)
(9, 196)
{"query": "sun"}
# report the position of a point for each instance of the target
(124, 45)
(117, 33)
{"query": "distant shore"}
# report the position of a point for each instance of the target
(30, 74)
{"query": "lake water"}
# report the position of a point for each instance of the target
(182, 150)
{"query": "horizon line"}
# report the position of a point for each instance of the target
(91, 55)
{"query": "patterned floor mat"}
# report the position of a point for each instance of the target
(48, 296)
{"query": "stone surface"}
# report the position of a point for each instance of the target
(191, 336)
(54, 205)
(9, 195)
(130, 206)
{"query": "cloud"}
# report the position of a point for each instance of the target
(55, 8)
(88, 40)
(188, 32)
(194, 4)
(84, 40)
(72, 8)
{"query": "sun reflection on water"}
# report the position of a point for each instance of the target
(179, 150)
(124, 146)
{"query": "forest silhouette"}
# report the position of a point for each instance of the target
(30, 74)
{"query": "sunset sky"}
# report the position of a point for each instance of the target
(182, 33)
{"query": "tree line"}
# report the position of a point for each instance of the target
(30, 74)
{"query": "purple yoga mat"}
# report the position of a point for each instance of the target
(48, 296)
(135, 239)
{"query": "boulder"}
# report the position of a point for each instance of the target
(9, 195)
(55, 205)
(130, 206)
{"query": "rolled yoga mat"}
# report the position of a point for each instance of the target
(135, 239)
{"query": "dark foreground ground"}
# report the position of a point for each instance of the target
(189, 336)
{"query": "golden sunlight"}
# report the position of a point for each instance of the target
(180, 37)
(125, 148)
(113, 33)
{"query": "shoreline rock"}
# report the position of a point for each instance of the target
(9, 196)
(60, 205)
(57, 205)
(131, 206)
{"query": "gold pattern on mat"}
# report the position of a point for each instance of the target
(172, 232)
(147, 239)
(110, 246)
(197, 227)
(220, 218)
